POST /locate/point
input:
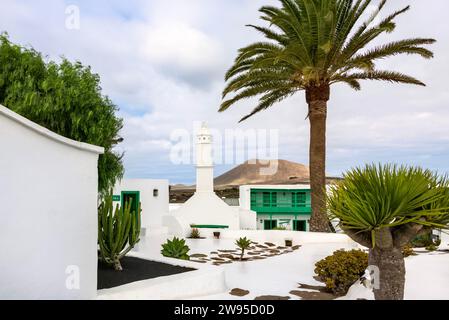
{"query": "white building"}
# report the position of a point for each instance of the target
(205, 209)
(285, 206)
(48, 229)
(153, 196)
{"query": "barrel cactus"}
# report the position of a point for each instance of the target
(118, 231)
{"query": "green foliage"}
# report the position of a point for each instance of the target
(243, 244)
(425, 240)
(432, 247)
(118, 231)
(65, 98)
(195, 233)
(342, 269)
(316, 43)
(280, 228)
(372, 198)
(408, 251)
(176, 248)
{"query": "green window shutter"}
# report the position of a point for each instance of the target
(274, 199)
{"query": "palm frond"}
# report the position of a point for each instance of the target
(389, 76)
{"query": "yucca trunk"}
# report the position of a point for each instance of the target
(387, 258)
(317, 97)
(391, 277)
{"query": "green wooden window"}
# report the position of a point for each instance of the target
(274, 199)
(267, 199)
(299, 199)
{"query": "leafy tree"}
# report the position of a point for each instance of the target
(311, 45)
(384, 208)
(65, 98)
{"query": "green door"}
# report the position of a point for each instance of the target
(133, 196)
(300, 225)
(270, 224)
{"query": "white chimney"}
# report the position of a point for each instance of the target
(204, 162)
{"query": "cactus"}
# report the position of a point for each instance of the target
(118, 231)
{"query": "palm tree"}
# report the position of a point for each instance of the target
(313, 44)
(383, 208)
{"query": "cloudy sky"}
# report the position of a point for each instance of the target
(162, 62)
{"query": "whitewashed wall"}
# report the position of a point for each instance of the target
(48, 213)
(153, 208)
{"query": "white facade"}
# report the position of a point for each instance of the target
(282, 220)
(205, 208)
(48, 229)
(154, 197)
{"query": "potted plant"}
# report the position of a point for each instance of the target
(217, 234)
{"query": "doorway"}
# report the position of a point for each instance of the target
(300, 225)
(133, 196)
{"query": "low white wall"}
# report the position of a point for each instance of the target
(279, 236)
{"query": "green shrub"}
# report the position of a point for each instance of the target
(118, 231)
(243, 244)
(431, 247)
(426, 240)
(408, 251)
(195, 234)
(176, 248)
(341, 270)
(280, 228)
(423, 240)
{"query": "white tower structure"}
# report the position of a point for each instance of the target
(204, 161)
(205, 209)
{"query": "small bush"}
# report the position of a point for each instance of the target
(280, 229)
(341, 270)
(195, 234)
(431, 247)
(176, 248)
(408, 251)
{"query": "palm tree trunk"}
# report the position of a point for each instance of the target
(391, 273)
(317, 97)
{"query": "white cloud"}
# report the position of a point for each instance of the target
(163, 63)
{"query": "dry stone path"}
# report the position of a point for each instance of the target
(256, 252)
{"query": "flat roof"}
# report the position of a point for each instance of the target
(47, 133)
(277, 186)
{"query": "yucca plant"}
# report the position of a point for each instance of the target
(118, 231)
(310, 46)
(383, 207)
(243, 244)
(176, 248)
